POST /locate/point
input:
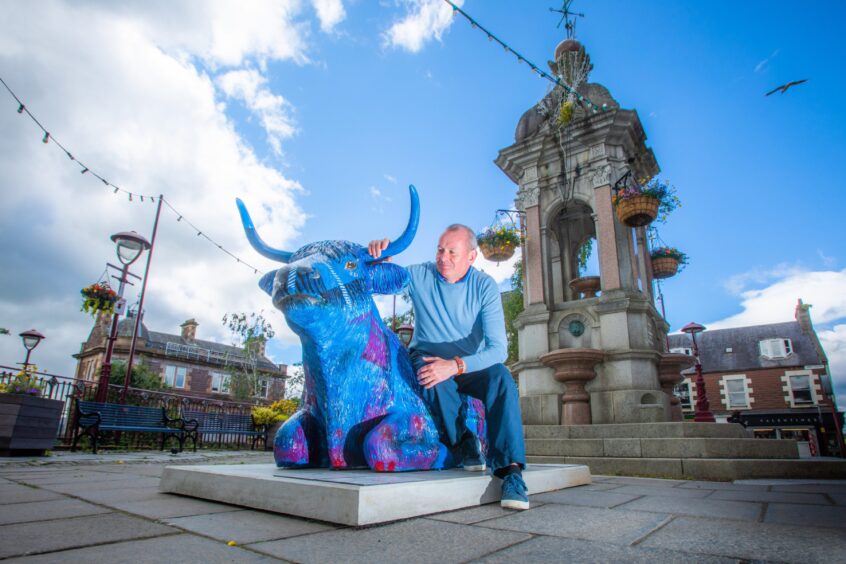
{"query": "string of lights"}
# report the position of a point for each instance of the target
(521, 59)
(132, 196)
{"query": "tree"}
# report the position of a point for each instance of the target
(143, 377)
(249, 332)
(406, 318)
(295, 381)
(512, 306)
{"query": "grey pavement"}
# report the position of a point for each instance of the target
(108, 508)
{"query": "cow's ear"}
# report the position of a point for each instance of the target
(387, 278)
(266, 282)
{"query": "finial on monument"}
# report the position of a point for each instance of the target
(568, 18)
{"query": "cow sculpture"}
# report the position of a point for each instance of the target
(362, 405)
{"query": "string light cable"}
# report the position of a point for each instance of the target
(557, 80)
(131, 196)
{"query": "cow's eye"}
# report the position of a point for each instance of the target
(351, 265)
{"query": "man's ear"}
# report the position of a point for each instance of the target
(266, 282)
(387, 278)
(473, 255)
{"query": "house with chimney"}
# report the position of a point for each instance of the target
(187, 365)
(772, 378)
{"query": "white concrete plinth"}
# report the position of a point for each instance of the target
(356, 497)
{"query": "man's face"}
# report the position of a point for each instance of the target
(454, 256)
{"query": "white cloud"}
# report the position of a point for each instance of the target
(425, 20)
(834, 343)
(127, 88)
(375, 192)
(390, 178)
(273, 111)
(330, 13)
(501, 271)
(737, 283)
(828, 262)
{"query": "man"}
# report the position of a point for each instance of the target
(459, 346)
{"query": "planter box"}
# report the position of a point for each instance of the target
(28, 425)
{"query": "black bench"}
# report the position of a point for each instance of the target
(210, 423)
(93, 417)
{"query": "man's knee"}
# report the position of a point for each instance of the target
(500, 376)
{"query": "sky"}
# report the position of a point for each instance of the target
(319, 114)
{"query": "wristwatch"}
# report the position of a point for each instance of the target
(461, 366)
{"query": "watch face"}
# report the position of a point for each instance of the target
(576, 328)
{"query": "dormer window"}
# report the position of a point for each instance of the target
(775, 348)
(682, 350)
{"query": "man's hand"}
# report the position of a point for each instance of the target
(436, 371)
(376, 247)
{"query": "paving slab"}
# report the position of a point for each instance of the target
(247, 526)
(714, 508)
(478, 514)
(356, 497)
(15, 493)
(838, 498)
(45, 510)
(732, 486)
(634, 481)
(190, 548)
(47, 536)
(780, 497)
(748, 541)
(609, 525)
(56, 478)
(663, 491)
(110, 497)
(171, 506)
(577, 496)
(572, 551)
(122, 484)
(820, 487)
(806, 515)
(415, 540)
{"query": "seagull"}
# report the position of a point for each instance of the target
(783, 88)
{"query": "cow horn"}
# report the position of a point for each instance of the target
(402, 242)
(259, 245)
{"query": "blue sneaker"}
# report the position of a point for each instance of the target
(514, 492)
(470, 451)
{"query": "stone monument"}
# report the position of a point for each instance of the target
(591, 348)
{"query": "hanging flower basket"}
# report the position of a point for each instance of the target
(637, 206)
(667, 262)
(498, 243)
(99, 297)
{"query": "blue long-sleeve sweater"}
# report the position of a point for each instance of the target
(464, 319)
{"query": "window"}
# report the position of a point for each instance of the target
(682, 391)
(175, 376)
(220, 382)
(800, 388)
(263, 388)
(736, 392)
(682, 350)
(775, 348)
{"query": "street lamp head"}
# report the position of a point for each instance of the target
(31, 339)
(692, 328)
(405, 333)
(130, 245)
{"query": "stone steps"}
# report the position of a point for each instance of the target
(697, 451)
(665, 448)
(717, 469)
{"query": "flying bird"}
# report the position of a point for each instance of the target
(783, 88)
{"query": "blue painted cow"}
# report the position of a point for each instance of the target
(362, 405)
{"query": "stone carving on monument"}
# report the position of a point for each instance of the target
(362, 406)
(591, 343)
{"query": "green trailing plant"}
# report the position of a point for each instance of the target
(99, 297)
(565, 113)
(500, 236)
(512, 306)
(585, 251)
(661, 190)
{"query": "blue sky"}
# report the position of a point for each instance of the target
(319, 114)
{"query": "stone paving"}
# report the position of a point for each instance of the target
(107, 508)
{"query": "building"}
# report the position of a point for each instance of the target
(773, 378)
(187, 365)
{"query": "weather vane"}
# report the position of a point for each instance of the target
(568, 17)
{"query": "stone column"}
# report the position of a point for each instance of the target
(609, 267)
(669, 375)
(644, 264)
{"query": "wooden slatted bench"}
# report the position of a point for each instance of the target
(94, 417)
(210, 423)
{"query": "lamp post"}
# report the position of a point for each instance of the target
(30, 340)
(702, 413)
(128, 245)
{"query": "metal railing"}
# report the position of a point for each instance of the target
(67, 389)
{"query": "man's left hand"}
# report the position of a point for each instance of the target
(436, 371)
